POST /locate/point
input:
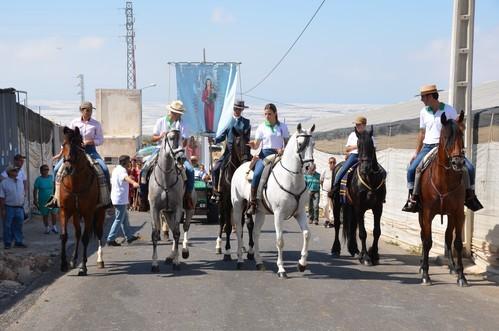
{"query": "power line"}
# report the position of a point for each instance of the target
(289, 50)
(282, 103)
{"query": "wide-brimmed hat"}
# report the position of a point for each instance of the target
(240, 104)
(86, 104)
(11, 167)
(176, 106)
(360, 120)
(428, 89)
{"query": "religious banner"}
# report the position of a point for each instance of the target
(208, 91)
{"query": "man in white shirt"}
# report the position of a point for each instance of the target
(120, 185)
(21, 175)
(430, 126)
(327, 185)
(11, 208)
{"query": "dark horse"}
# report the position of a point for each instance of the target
(232, 162)
(365, 190)
(443, 192)
(79, 195)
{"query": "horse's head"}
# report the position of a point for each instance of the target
(240, 146)
(171, 145)
(367, 151)
(305, 145)
(72, 147)
(452, 141)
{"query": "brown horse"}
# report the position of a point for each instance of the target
(79, 195)
(443, 192)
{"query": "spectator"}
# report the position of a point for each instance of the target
(312, 179)
(327, 185)
(18, 163)
(11, 207)
(134, 173)
(120, 181)
(43, 190)
(192, 148)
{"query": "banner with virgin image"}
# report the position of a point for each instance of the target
(208, 91)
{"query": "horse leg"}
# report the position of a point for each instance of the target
(99, 232)
(85, 239)
(364, 258)
(458, 245)
(257, 230)
(336, 249)
(279, 243)
(250, 225)
(176, 238)
(218, 246)
(77, 228)
(373, 251)
(426, 239)
(449, 233)
(237, 213)
(187, 225)
(302, 222)
(155, 235)
(228, 230)
(350, 226)
(64, 238)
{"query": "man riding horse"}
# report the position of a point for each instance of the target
(239, 126)
(428, 138)
(172, 121)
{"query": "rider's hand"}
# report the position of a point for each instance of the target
(252, 144)
(136, 185)
(280, 151)
(88, 142)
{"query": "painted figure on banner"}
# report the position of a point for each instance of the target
(209, 96)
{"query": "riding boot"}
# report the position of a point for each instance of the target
(412, 205)
(188, 204)
(253, 202)
(471, 201)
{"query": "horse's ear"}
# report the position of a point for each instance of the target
(372, 131)
(66, 130)
(312, 128)
(461, 116)
(443, 119)
(298, 127)
(77, 131)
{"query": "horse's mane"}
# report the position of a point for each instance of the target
(450, 133)
(366, 146)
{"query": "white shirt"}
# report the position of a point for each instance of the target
(163, 125)
(20, 175)
(352, 141)
(89, 130)
(327, 179)
(272, 138)
(12, 190)
(119, 186)
(432, 124)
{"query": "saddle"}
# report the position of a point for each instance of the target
(344, 182)
(422, 166)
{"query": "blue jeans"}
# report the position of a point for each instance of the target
(313, 206)
(259, 166)
(90, 150)
(411, 171)
(189, 171)
(471, 172)
(13, 225)
(351, 160)
(120, 221)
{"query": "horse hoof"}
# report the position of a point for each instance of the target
(239, 265)
(155, 268)
(335, 254)
(219, 251)
(185, 253)
(176, 267)
(301, 268)
(100, 265)
(462, 282)
(426, 281)
(260, 267)
(452, 271)
(82, 272)
(168, 260)
(282, 275)
(251, 256)
(366, 261)
(227, 257)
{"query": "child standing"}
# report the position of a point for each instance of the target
(43, 190)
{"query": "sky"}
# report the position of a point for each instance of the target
(355, 52)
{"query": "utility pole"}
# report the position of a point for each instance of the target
(81, 84)
(130, 47)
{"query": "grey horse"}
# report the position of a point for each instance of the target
(166, 189)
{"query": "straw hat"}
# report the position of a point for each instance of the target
(11, 167)
(176, 106)
(86, 104)
(428, 89)
(360, 120)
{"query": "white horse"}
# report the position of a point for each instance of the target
(288, 198)
(166, 191)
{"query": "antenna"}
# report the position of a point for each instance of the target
(81, 84)
(130, 47)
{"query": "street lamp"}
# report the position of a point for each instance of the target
(148, 86)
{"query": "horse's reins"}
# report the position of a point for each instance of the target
(302, 162)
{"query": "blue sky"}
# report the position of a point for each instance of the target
(376, 52)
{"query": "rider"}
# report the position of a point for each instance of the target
(428, 137)
(239, 126)
(273, 135)
(172, 121)
(350, 150)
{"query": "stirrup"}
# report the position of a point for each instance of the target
(473, 204)
(411, 206)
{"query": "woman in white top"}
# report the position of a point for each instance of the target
(273, 135)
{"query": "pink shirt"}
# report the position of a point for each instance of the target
(89, 130)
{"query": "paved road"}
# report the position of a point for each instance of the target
(209, 294)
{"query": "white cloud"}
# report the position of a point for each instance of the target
(36, 50)
(91, 42)
(222, 16)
